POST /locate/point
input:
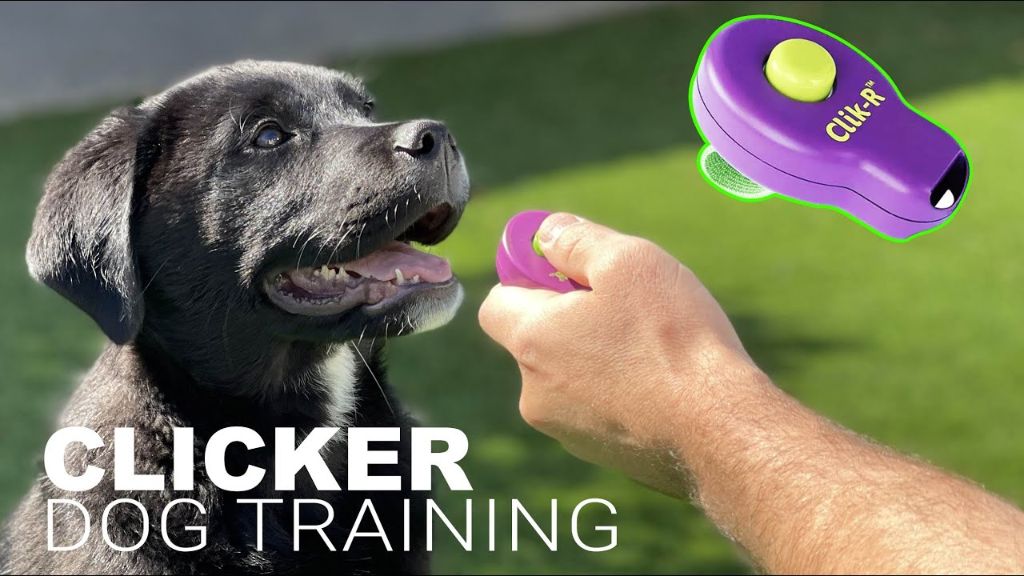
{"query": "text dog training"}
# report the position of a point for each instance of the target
(289, 459)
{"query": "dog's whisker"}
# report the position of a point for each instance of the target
(345, 235)
(359, 240)
(298, 261)
(374, 376)
(231, 114)
(322, 246)
(337, 244)
(210, 316)
(225, 334)
(159, 268)
(334, 250)
(299, 237)
(246, 119)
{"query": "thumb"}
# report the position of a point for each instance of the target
(574, 246)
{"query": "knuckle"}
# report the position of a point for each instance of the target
(490, 317)
(645, 250)
(524, 348)
(570, 244)
(517, 340)
(529, 412)
(525, 409)
(483, 315)
(686, 276)
(627, 250)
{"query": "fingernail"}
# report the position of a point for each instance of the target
(554, 225)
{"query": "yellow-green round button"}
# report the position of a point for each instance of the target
(801, 69)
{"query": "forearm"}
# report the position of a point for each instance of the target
(803, 495)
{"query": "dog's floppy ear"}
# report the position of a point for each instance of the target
(81, 239)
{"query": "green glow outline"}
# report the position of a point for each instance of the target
(693, 116)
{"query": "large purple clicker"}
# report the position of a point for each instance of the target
(861, 149)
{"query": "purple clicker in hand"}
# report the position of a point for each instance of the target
(520, 265)
(787, 108)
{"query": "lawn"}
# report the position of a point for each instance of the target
(916, 345)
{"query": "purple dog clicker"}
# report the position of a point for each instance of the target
(520, 263)
(787, 108)
(804, 114)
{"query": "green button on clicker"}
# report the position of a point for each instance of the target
(536, 246)
(801, 69)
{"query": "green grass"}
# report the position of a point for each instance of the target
(916, 345)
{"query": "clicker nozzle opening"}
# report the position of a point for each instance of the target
(951, 186)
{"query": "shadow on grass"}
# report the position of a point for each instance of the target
(779, 349)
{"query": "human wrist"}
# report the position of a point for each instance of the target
(739, 442)
(719, 400)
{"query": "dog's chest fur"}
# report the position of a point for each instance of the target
(338, 374)
(120, 391)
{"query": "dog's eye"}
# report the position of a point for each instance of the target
(270, 136)
(368, 107)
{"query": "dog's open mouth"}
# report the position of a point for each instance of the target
(394, 269)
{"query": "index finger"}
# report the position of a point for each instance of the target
(506, 306)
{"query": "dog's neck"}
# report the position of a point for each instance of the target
(298, 385)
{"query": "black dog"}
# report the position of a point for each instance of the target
(243, 240)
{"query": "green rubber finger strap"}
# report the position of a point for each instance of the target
(723, 175)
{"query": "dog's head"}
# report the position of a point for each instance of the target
(259, 194)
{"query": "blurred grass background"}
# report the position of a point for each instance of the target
(917, 345)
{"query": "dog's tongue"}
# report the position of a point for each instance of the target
(382, 263)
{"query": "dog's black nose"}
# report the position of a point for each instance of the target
(422, 139)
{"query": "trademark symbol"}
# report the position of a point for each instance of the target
(869, 83)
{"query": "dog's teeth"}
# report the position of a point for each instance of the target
(416, 279)
(399, 279)
(325, 271)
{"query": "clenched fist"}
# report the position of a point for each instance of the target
(617, 373)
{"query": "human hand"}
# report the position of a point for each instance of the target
(621, 373)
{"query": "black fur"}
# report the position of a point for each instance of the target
(162, 224)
